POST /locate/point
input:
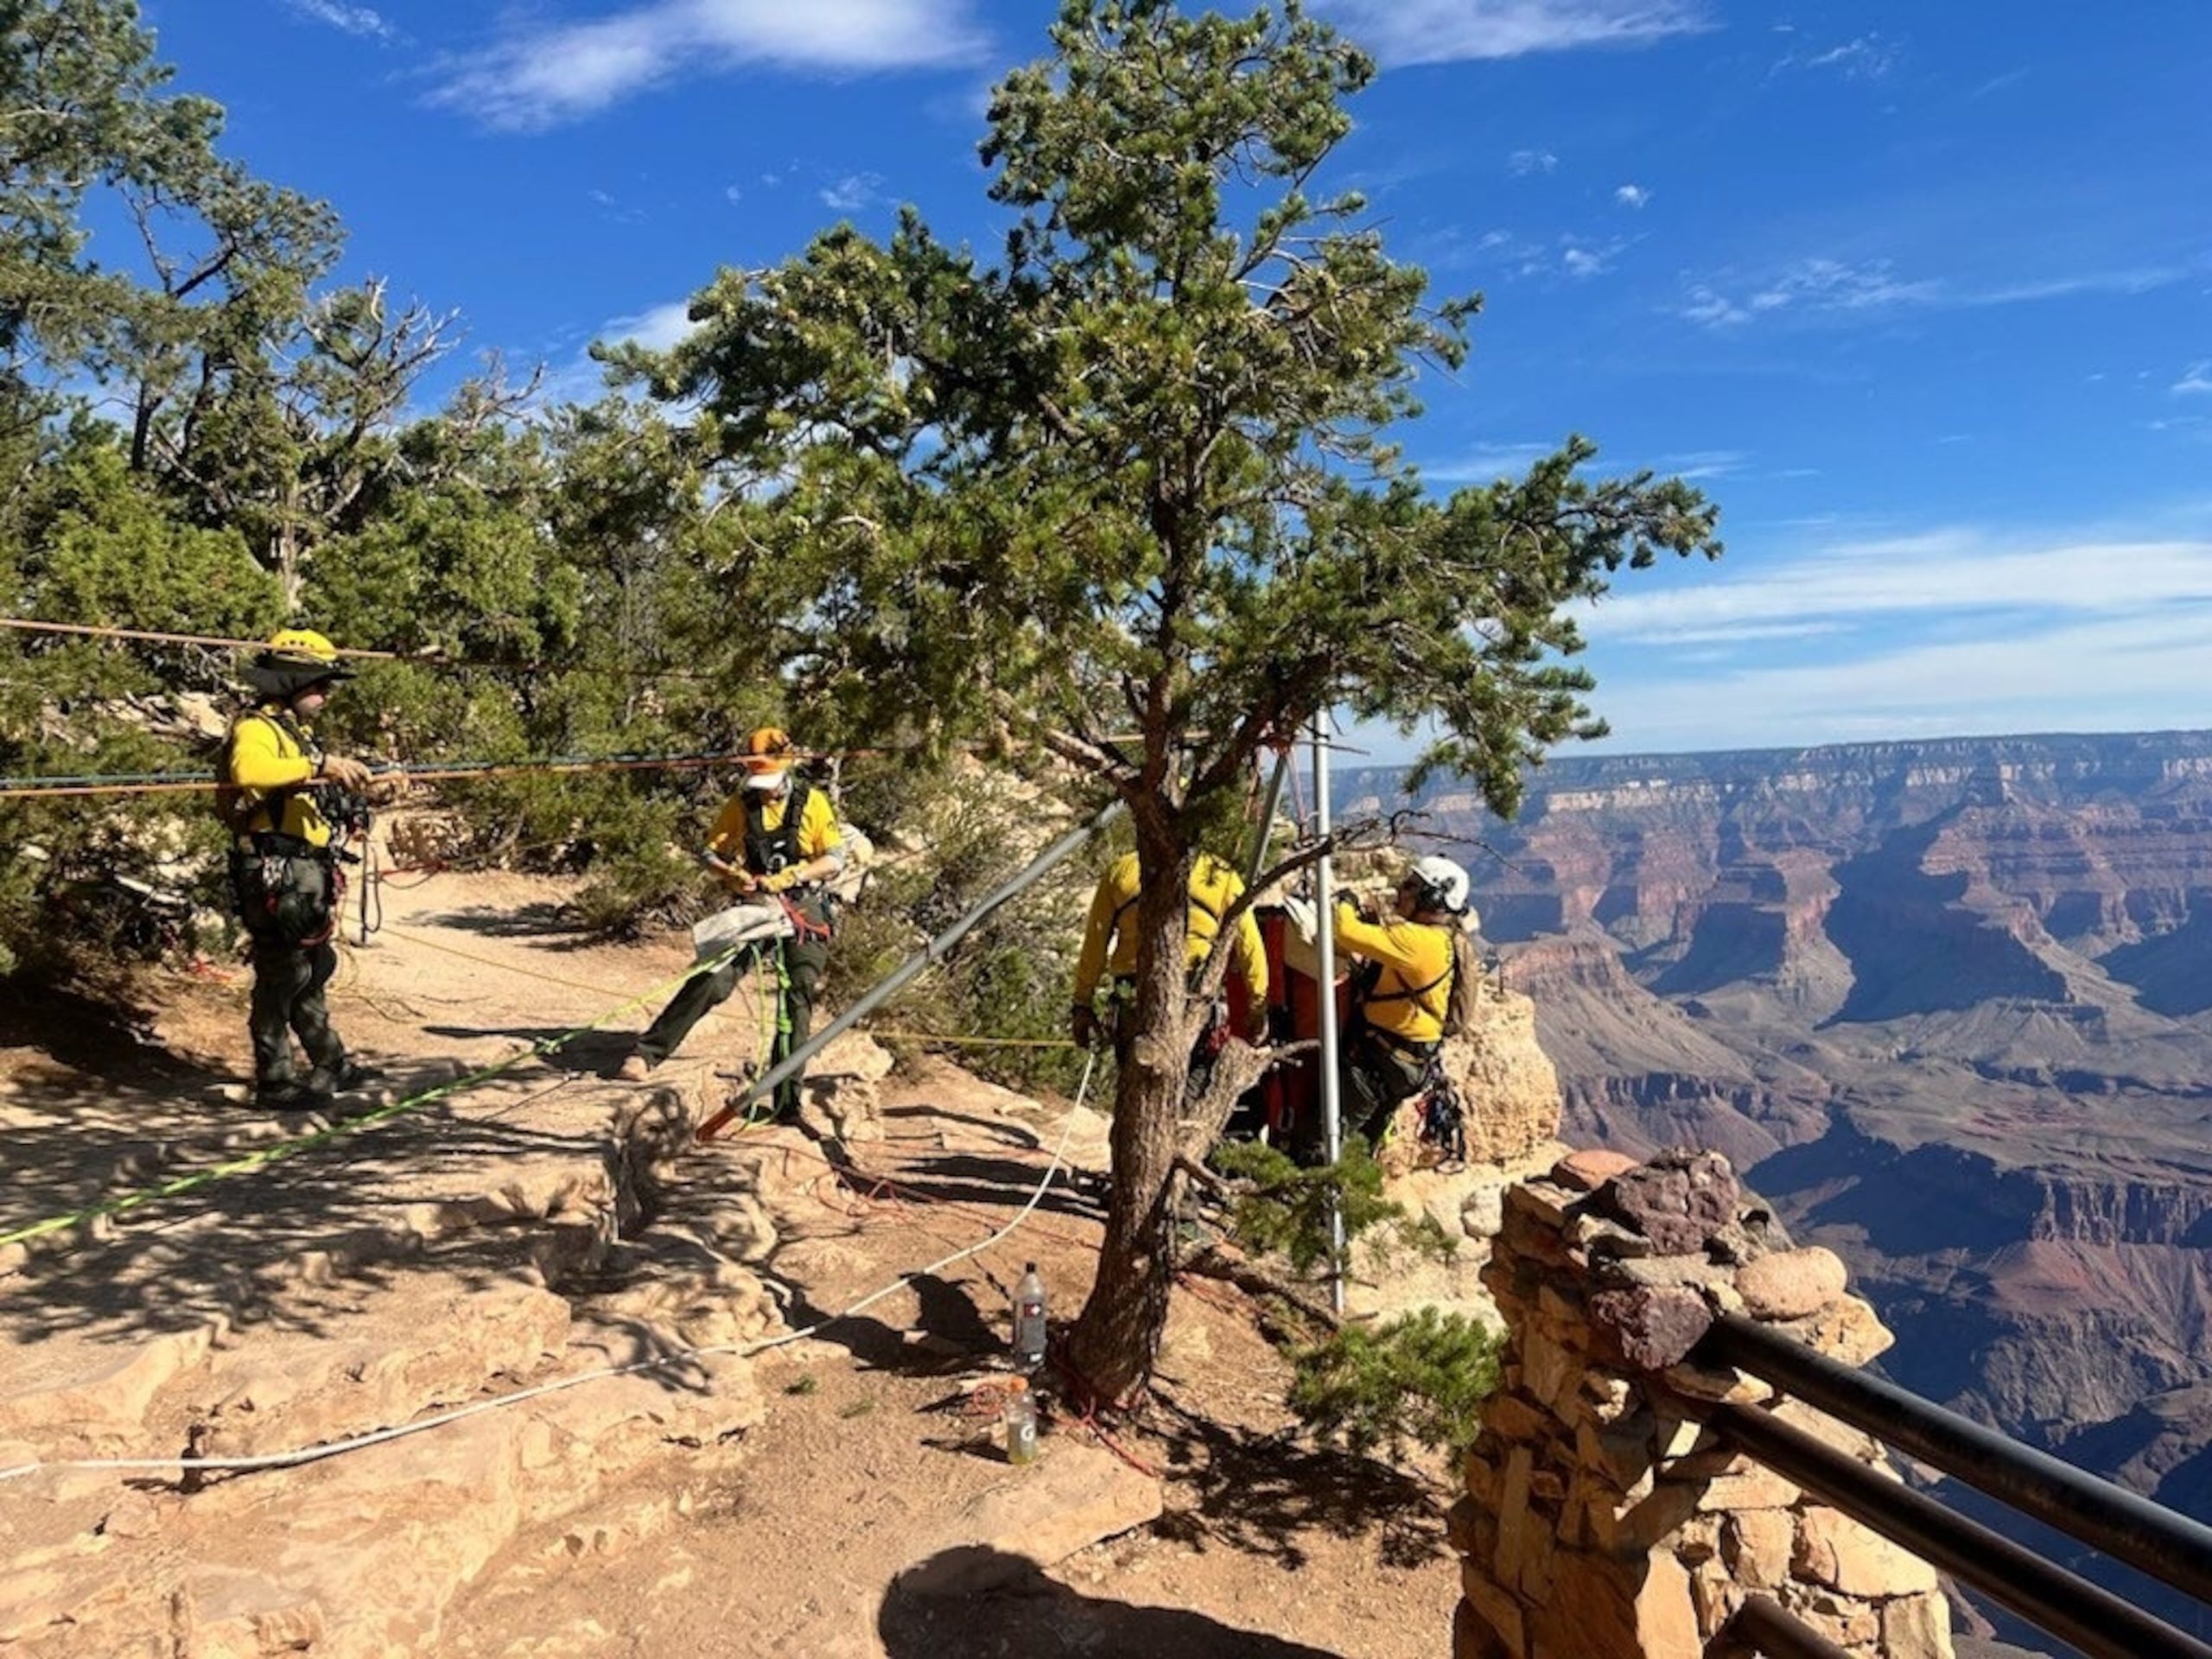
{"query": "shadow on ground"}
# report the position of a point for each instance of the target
(556, 925)
(1258, 1492)
(118, 1117)
(939, 1611)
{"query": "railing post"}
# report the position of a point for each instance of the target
(1602, 1519)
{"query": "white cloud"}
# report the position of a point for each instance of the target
(732, 195)
(1450, 31)
(1581, 261)
(544, 72)
(581, 379)
(657, 327)
(1521, 163)
(1631, 195)
(361, 21)
(2195, 378)
(1867, 58)
(1701, 463)
(1946, 572)
(1833, 288)
(2138, 672)
(852, 193)
(1487, 462)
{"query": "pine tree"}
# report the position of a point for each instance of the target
(1130, 490)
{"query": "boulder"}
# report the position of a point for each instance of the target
(1652, 1326)
(1791, 1284)
(1678, 1200)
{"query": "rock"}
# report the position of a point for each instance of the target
(854, 1055)
(1666, 1617)
(1653, 1327)
(1588, 1170)
(1917, 1627)
(1757, 1545)
(1474, 1637)
(1483, 1213)
(1677, 1199)
(1834, 1550)
(1508, 1082)
(1792, 1284)
(1071, 1497)
(1845, 1331)
(133, 1516)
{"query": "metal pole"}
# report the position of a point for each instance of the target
(1332, 1104)
(1760, 1627)
(2171, 1548)
(2063, 1603)
(1266, 831)
(892, 983)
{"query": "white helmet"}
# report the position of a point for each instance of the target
(1439, 884)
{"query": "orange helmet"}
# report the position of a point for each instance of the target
(769, 754)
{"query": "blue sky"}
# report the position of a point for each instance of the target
(1920, 293)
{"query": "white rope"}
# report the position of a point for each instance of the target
(743, 1351)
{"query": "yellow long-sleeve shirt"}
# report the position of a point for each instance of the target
(267, 754)
(818, 835)
(1414, 986)
(1108, 945)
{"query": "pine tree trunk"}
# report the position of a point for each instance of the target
(1116, 1337)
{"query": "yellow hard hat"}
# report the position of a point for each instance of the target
(295, 660)
(302, 642)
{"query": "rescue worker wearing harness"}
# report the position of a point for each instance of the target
(779, 836)
(276, 796)
(1400, 990)
(1110, 942)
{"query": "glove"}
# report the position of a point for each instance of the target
(1256, 1025)
(781, 881)
(1083, 1026)
(346, 774)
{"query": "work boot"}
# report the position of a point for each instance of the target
(636, 1068)
(346, 1075)
(290, 1095)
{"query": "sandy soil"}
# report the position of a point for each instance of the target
(791, 1542)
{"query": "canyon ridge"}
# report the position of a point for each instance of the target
(1948, 1003)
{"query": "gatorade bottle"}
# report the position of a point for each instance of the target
(1029, 1321)
(1020, 1414)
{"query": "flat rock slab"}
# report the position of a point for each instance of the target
(1072, 1496)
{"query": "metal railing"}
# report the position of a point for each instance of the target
(2172, 1548)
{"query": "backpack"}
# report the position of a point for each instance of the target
(1463, 1003)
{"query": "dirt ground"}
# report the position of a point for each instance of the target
(793, 1538)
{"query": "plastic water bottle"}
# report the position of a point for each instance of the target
(1029, 1321)
(1020, 1412)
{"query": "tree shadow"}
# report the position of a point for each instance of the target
(973, 1602)
(967, 1177)
(1257, 1493)
(554, 924)
(1015, 1133)
(600, 1049)
(952, 1331)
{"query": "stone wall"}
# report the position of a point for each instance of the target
(1600, 1520)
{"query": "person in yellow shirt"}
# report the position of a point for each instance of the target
(1400, 988)
(775, 835)
(1109, 943)
(272, 793)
